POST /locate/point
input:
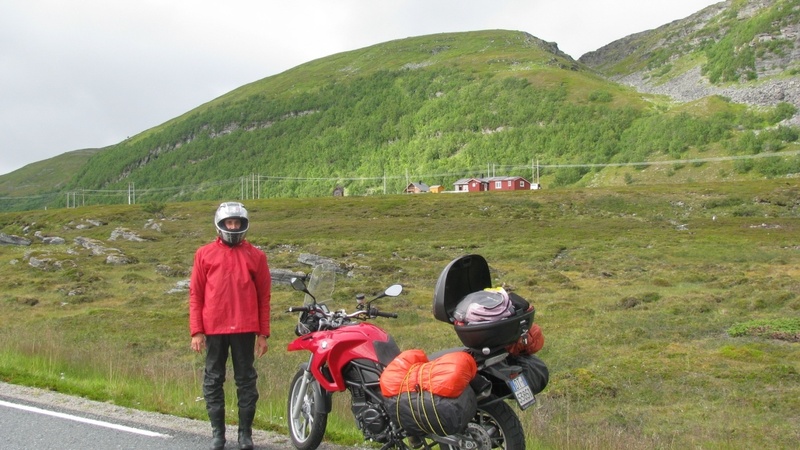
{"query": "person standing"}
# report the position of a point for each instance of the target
(229, 311)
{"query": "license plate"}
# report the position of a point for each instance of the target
(522, 392)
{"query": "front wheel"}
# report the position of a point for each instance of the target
(306, 412)
(494, 426)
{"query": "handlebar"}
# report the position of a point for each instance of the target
(318, 317)
(341, 316)
(374, 312)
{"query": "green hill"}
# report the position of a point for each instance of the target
(34, 184)
(442, 107)
(438, 107)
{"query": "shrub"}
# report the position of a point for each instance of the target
(786, 329)
(155, 207)
(601, 97)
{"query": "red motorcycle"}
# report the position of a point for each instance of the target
(349, 353)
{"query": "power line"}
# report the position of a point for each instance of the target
(680, 161)
(253, 178)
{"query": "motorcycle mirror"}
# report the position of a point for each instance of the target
(298, 285)
(393, 290)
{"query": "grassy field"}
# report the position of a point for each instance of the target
(671, 313)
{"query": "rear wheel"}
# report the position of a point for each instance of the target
(306, 413)
(495, 426)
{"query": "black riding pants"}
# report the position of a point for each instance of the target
(241, 348)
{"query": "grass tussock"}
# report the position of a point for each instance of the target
(670, 317)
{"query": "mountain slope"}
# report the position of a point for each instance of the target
(434, 109)
(46, 175)
(434, 104)
(748, 51)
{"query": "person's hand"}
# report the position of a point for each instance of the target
(199, 342)
(261, 346)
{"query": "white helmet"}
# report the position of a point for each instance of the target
(231, 210)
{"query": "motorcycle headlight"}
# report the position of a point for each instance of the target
(301, 329)
(307, 324)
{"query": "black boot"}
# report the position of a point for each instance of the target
(218, 439)
(246, 429)
(217, 417)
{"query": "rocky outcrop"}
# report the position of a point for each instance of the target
(693, 86)
(284, 276)
(10, 239)
(94, 246)
(316, 260)
(125, 234)
(644, 60)
(50, 240)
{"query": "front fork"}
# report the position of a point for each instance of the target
(321, 401)
(299, 399)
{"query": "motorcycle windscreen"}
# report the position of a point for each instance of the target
(321, 283)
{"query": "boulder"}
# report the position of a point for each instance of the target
(284, 276)
(126, 234)
(8, 239)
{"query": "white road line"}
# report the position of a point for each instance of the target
(83, 419)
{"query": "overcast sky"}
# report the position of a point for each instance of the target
(89, 73)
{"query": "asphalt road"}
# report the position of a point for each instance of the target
(23, 426)
(35, 418)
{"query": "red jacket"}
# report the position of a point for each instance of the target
(229, 290)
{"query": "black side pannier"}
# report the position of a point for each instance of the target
(534, 369)
(421, 413)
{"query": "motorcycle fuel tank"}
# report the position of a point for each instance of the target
(335, 348)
